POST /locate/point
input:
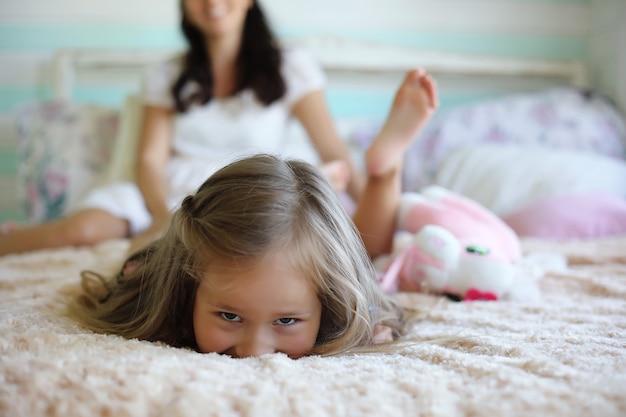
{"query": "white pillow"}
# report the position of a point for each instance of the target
(506, 178)
(122, 167)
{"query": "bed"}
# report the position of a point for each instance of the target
(557, 350)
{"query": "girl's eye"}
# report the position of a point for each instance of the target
(230, 317)
(286, 321)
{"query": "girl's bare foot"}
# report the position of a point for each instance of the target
(338, 173)
(415, 102)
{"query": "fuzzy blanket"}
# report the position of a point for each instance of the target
(562, 353)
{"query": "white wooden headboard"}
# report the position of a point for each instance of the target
(338, 55)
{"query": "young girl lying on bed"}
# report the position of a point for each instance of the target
(263, 258)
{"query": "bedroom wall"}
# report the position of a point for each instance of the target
(608, 49)
(32, 30)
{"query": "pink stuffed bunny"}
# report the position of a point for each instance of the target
(450, 245)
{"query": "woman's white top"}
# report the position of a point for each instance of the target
(206, 137)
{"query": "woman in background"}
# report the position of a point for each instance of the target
(231, 94)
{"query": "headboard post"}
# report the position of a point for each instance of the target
(63, 75)
(67, 62)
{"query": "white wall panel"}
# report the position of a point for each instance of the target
(621, 63)
(8, 200)
(148, 12)
(478, 16)
(25, 67)
(7, 131)
(487, 16)
(608, 49)
(8, 184)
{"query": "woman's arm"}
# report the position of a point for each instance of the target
(312, 112)
(152, 157)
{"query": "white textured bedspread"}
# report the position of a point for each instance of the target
(562, 354)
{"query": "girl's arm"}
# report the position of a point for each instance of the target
(312, 112)
(152, 157)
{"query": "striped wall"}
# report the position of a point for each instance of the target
(607, 49)
(32, 30)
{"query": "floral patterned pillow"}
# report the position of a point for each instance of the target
(63, 149)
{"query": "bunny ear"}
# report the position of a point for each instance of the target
(95, 286)
(389, 280)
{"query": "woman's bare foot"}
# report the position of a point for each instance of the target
(414, 104)
(338, 173)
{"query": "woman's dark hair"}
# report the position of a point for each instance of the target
(258, 63)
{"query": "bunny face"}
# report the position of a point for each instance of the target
(451, 245)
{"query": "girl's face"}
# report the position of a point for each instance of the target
(245, 311)
(217, 18)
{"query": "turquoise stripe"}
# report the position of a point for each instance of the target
(107, 96)
(8, 162)
(12, 96)
(44, 37)
(24, 37)
(376, 105)
(12, 215)
(358, 104)
(341, 103)
(517, 46)
(450, 101)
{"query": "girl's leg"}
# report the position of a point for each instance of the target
(83, 228)
(415, 102)
(376, 212)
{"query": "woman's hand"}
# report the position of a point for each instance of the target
(314, 115)
(149, 235)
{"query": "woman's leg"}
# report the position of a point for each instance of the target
(414, 104)
(83, 228)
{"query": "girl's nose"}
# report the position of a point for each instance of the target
(254, 344)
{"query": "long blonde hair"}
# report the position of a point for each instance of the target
(244, 211)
